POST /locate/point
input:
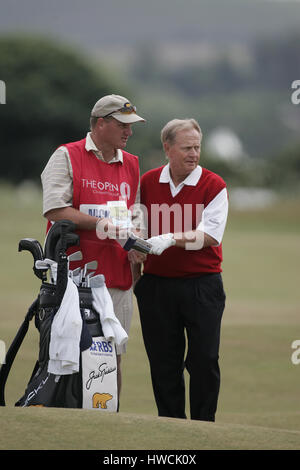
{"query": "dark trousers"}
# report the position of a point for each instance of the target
(171, 311)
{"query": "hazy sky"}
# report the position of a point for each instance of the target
(93, 23)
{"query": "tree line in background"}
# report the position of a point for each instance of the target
(51, 89)
(269, 64)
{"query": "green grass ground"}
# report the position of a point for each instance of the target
(259, 397)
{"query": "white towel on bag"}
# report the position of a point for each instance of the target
(111, 326)
(64, 350)
(66, 327)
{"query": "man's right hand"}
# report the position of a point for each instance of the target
(161, 242)
(106, 229)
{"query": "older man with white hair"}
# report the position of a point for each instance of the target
(180, 294)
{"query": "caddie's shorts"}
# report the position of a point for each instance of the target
(123, 307)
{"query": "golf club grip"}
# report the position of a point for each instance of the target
(138, 244)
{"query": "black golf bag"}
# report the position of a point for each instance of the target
(94, 385)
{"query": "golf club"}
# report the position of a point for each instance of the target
(88, 277)
(75, 276)
(136, 243)
(90, 266)
(45, 265)
(76, 256)
(97, 281)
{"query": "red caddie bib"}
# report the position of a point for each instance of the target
(97, 186)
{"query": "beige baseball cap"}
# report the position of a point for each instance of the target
(118, 107)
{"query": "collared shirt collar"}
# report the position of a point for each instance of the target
(90, 145)
(191, 180)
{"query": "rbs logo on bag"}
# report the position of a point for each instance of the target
(101, 347)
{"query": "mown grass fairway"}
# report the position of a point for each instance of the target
(86, 430)
(259, 398)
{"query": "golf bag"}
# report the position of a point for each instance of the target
(93, 382)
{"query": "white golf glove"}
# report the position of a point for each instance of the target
(161, 243)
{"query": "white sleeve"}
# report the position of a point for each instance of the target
(214, 216)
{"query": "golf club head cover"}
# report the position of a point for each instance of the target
(34, 246)
(71, 239)
(65, 228)
(54, 235)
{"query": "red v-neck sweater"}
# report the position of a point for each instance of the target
(178, 262)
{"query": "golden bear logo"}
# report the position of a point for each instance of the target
(100, 399)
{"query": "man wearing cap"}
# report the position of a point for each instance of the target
(94, 180)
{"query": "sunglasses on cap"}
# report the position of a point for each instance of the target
(126, 109)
